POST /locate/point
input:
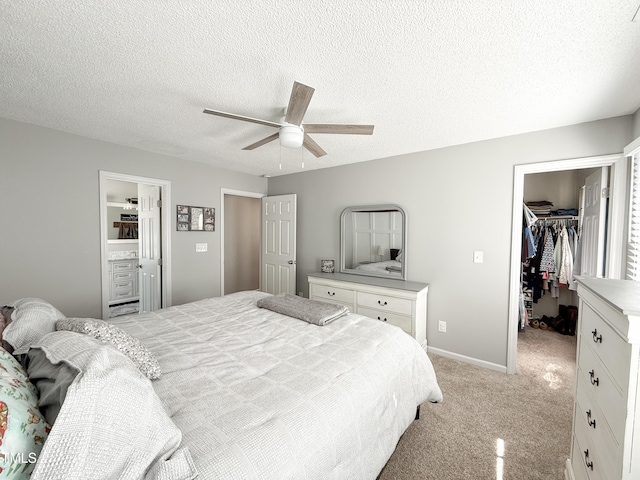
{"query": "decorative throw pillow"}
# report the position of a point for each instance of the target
(110, 334)
(32, 318)
(112, 423)
(23, 429)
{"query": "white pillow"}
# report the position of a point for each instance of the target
(32, 318)
(112, 423)
(112, 335)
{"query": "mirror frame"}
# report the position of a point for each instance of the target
(372, 208)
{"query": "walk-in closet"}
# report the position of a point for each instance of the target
(553, 230)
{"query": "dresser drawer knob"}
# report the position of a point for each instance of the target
(382, 304)
(594, 380)
(592, 423)
(382, 319)
(586, 460)
(596, 338)
(331, 294)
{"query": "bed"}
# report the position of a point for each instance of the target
(243, 393)
(387, 267)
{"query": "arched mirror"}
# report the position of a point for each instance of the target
(373, 241)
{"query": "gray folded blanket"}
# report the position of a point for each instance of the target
(312, 311)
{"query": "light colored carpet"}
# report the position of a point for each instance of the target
(492, 425)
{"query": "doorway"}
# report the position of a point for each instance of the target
(128, 263)
(240, 231)
(615, 228)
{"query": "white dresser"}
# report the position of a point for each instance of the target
(398, 302)
(607, 401)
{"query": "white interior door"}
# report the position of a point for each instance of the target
(594, 223)
(150, 250)
(279, 244)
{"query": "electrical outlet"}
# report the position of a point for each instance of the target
(442, 326)
(201, 247)
(478, 257)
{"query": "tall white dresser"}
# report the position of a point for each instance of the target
(606, 421)
(397, 302)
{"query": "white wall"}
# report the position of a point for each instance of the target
(458, 200)
(49, 209)
(636, 124)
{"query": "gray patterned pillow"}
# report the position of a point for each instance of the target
(110, 334)
(32, 318)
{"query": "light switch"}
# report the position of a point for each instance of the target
(478, 257)
(201, 247)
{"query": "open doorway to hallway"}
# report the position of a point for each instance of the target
(241, 240)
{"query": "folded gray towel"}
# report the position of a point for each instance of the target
(312, 311)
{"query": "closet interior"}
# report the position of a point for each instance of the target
(553, 206)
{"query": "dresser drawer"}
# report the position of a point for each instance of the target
(579, 463)
(401, 321)
(123, 265)
(598, 431)
(384, 302)
(122, 276)
(602, 389)
(614, 352)
(331, 294)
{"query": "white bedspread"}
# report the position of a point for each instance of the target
(259, 395)
(381, 267)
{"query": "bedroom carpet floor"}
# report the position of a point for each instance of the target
(492, 425)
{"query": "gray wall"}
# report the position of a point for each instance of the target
(458, 200)
(636, 124)
(49, 208)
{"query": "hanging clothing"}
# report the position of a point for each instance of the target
(566, 262)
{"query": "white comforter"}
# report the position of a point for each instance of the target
(259, 395)
(381, 267)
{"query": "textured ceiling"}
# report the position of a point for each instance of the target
(427, 74)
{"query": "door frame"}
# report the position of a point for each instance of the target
(165, 233)
(239, 193)
(615, 225)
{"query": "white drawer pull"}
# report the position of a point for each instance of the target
(596, 338)
(586, 460)
(382, 319)
(594, 380)
(592, 423)
(382, 304)
(331, 294)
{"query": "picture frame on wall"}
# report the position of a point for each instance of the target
(194, 219)
(327, 266)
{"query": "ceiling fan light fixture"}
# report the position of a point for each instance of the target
(291, 136)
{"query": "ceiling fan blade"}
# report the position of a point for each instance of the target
(337, 128)
(298, 103)
(241, 117)
(311, 145)
(259, 143)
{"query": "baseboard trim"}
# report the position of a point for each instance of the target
(471, 360)
(568, 470)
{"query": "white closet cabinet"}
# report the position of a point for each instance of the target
(397, 302)
(124, 281)
(607, 400)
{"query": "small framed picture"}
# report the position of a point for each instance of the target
(327, 266)
(193, 219)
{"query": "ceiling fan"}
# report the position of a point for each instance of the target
(291, 131)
